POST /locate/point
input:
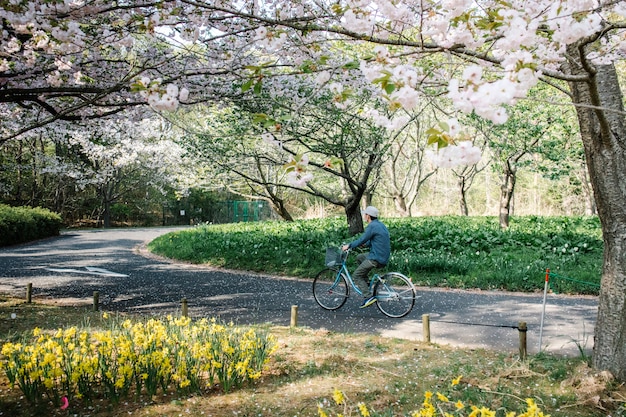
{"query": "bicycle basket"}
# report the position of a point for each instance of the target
(333, 257)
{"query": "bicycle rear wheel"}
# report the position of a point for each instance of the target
(330, 289)
(395, 295)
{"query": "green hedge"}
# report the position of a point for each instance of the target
(444, 251)
(24, 224)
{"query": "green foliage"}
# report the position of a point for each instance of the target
(142, 356)
(23, 224)
(453, 251)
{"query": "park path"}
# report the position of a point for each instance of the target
(114, 262)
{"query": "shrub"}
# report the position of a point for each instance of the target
(24, 224)
(453, 251)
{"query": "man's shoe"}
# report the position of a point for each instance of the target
(368, 302)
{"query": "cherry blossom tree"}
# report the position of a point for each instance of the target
(234, 155)
(140, 152)
(73, 59)
(328, 153)
(119, 158)
(532, 127)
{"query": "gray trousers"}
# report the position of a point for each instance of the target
(361, 273)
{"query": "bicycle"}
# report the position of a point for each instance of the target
(394, 292)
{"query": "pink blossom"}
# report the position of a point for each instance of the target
(184, 94)
(407, 97)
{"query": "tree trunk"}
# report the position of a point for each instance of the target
(367, 198)
(105, 194)
(355, 220)
(106, 215)
(590, 204)
(463, 202)
(400, 203)
(506, 193)
(278, 204)
(604, 137)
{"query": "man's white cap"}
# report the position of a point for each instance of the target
(371, 210)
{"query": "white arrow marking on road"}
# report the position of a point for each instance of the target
(89, 270)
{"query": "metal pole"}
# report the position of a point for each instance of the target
(543, 312)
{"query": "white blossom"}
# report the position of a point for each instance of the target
(322, 77)
(407, 97)
(465, 153)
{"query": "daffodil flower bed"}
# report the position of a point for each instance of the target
(434, 405)
(138, 358)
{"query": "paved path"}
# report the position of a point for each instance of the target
(70, 267)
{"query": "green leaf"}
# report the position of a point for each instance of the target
(433, 131)
(259, 118)
(386, 76)
(247, 85)
(337, 9)
(307, 66)
(351, 65)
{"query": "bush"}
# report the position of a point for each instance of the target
(448, 251)
(24, 224)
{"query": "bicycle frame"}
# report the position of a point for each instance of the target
(394, 292)
(344, 269)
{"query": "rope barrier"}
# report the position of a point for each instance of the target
(547, 284)
(477, 324)
(557, 276)
(522, 328)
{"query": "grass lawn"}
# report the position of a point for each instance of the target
(388, 376)
(446, 251)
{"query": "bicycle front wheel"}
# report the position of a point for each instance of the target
(330, 289)
(395, 295)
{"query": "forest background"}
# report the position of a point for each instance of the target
(210, 164)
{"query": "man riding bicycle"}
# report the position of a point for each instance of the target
(376, 237)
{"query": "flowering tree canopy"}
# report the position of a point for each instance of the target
(74, 59)
(83, 59)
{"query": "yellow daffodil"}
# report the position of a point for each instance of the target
(363, 410)
(338, 397)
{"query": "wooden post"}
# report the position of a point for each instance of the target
(294, 316)
(96, 300)
(522, 339)
(426, 327)
(29, 293)
(185, 308)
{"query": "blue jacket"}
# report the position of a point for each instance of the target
(376, 237)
